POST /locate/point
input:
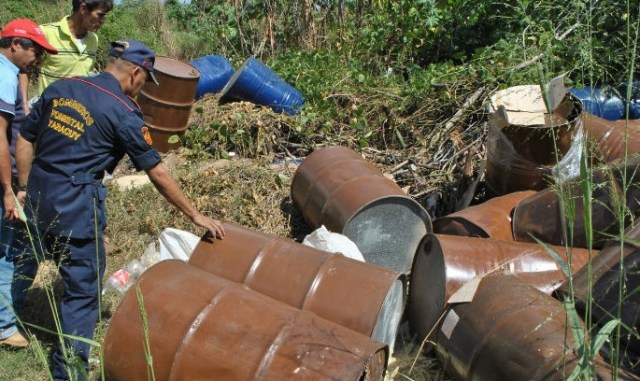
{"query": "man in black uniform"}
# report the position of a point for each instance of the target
(80, 128)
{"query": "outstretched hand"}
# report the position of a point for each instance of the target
(213, 226)
(10, 209)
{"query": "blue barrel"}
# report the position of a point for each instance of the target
(600, 103)
(215, 72)
(255, 82)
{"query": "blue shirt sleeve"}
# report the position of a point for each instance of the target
(130, 135)
(29, 129)
(8, 95)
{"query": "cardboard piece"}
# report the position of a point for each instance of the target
(525, 105)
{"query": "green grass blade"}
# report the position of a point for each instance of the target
(72, 337)
(602, 335)
(566, 270)
(145, 329)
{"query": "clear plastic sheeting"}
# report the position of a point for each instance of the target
(513, 172)
(569, 166)
(529, 148)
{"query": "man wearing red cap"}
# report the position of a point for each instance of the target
(22, 45)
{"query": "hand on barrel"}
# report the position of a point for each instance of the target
(213, 226)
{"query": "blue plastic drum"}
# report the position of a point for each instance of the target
(215, 72)
(255, 82)
(599, 103)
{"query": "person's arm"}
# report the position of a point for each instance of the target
(10, 211)
(170, 189)
(24, 156)
(23, 87)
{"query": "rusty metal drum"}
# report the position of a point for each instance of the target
(445, 263)
(506, 175)
(363, 297)
(167, 106)
(540, 214)
(543, 144)
(202, 327)
(491, 219)
(165, 140)
(510, 331)
(523, 156)
(337, 188)
(606, 138)
(608, 295)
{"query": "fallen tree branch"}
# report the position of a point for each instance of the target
(458, 116)
(460, 113)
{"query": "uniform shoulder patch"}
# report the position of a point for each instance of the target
(146, 135)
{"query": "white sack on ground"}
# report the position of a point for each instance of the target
(325, 240)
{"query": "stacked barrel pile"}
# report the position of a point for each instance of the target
(487, 287)
(256, 307)
(486, 284)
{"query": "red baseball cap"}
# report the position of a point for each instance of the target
(27, 29)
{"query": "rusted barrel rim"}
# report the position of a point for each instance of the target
(161, 71)
(410, 202)
(386, 327)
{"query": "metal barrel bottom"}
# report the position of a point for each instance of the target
(363, 297)
(335, 187)
(202, 327)
(388, 230)
(444, 263)
(491, 219)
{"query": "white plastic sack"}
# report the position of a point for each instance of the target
(177, 244)
(323, 239)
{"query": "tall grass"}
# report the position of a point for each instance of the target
(591, 337)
